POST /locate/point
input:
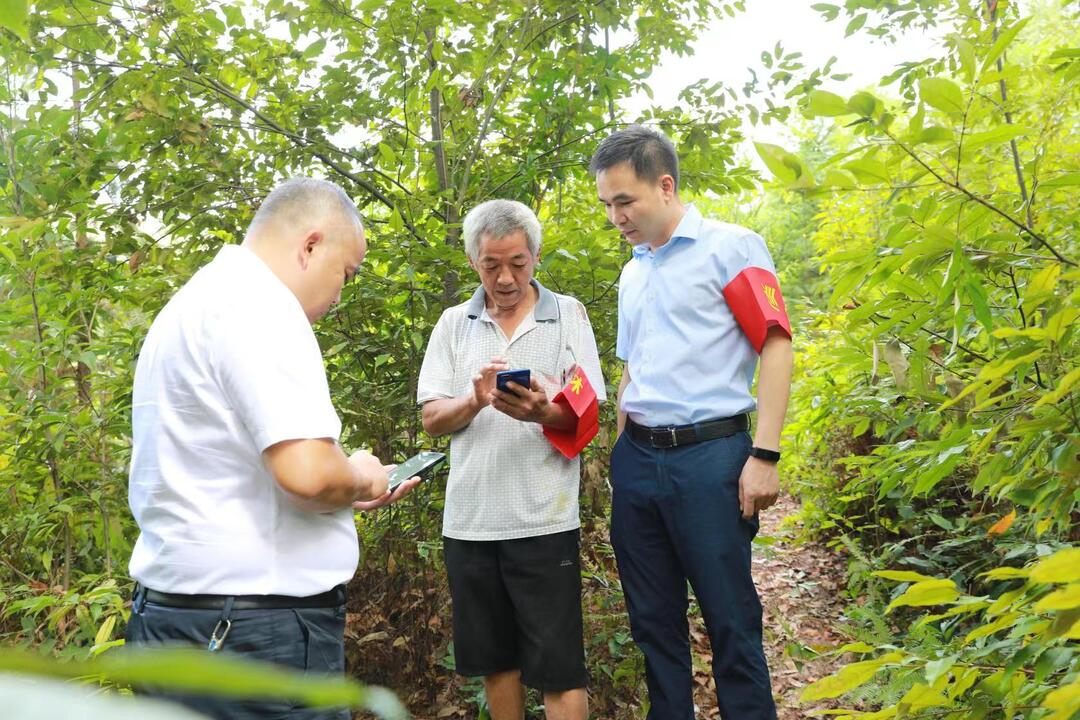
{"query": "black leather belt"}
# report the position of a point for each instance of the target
(330, 598)
(670, 436)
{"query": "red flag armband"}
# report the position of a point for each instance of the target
(579, 396)
(755, 301)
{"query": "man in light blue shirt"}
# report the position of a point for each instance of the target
(698, 304)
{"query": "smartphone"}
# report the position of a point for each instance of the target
(521, 377)
(422, 463)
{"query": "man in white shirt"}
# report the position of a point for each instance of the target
(243, 497)
(510, 524)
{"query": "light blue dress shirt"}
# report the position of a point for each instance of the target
(689, 360)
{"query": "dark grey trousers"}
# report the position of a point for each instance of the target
(303, 639)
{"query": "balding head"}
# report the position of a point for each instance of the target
(310, 235)
(301, 200)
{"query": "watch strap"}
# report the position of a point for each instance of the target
(763, 454)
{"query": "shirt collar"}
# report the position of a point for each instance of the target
(546, 308)
(689, 228)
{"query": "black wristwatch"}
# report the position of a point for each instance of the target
(766, 455)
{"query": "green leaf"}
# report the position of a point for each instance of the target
(1061, 567)
(13, 14)
(943, 94)
(829, 11)
(197, 671)
(1065, 180)
(837, 178)
(966, 52)
(935, 134)
(855, 647)
(869, 170)
(1007, 620)
(864, 104)
(902, 576)
(847, 678)
(981, 304)
(788, 168)
(856, 22)
(923, 696)
(1065, 598)
(1000, 134)
(1063, 389)
(1000, 368)
(937, 668)
(314, 49)
(928, 592)
(773, 157)
(105, 631)
(826, 104)
(1005, 37)
(1064, 701)
(1041, 285)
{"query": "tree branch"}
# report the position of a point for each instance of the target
(989, 206)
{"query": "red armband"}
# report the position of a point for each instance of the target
(755, 301)
(579, 396)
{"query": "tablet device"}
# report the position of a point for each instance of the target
(422, 463)
(521, 377)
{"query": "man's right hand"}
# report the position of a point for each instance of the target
(484, 381)
(372, 476)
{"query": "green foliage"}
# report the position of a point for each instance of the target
(936, 414)
(196, 671)
(1010, 651)
(13, 16)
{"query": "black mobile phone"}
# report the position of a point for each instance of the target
(521, 377)
(422, 463)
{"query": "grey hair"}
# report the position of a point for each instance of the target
(304, 198)
(499, 218)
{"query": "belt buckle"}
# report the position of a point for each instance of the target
(664, 440)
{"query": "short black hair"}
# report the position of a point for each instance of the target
(648, 151)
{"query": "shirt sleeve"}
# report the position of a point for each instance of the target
(754, 253)
(588, 357)
(752, 291)
(272, 375)
(622, 331)
(437, 371)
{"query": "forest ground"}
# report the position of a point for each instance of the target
(801, 584)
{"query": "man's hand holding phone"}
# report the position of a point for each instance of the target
(403, 478)
(376, 478)
(520, 396)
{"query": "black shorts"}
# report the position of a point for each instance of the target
(517, 606)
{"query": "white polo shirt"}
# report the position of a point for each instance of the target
(230, 367)
(506, 480)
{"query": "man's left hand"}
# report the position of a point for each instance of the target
(759, 485)
(527, 404)
(389, 497)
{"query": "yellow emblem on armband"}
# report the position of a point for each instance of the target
(575, 384)
(770, 295)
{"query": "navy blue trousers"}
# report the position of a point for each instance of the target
(302, 639)
(675, 518)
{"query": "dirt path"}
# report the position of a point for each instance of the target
(801, 588)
